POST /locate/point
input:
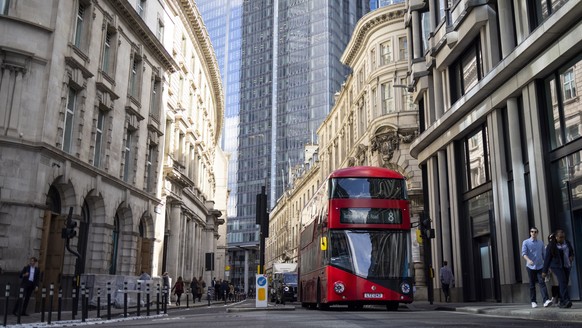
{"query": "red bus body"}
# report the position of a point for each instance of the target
(355, 241)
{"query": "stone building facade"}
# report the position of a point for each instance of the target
(497, 86)
(373, 122)
(111, 109)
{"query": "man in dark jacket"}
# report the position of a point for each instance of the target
(30, 277)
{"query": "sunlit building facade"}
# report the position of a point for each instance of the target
(497, 86)
(110, 111)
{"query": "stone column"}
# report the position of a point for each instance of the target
(417, 38)
(445, 226)
(506, 22)
(174, 240)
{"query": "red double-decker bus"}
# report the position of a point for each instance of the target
(355, 241)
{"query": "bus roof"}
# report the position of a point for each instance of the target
(365, 171)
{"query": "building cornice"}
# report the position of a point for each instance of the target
(374, 19)
(199, 34)
(138, 26)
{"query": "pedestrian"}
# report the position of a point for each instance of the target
(144, 276)
(532, 251)
(551, 277)
(230, 291)
(201, 286)
(224, 290)
(30, 277)
(178, 289)
(447, 280)
(166, 286)
(559, 258)
(194, 289)
(217, 287)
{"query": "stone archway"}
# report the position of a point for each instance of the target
(91, 228)
(59, 198)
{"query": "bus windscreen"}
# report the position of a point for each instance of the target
(370, 254)
(372, 188)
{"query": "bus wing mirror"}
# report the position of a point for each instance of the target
(323, 243)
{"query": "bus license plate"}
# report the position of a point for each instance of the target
(373, 295)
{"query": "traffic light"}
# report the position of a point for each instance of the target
(425, 227)
(262, 217)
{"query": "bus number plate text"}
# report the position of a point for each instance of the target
(373, 295)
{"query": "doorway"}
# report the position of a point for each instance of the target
(485, 271)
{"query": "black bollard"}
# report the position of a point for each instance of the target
(225, 297)
(98, 302)
(20, 294)
(74, 311)
(125, 299)
(208, 296)
(83, 313)
(139, 298)
(165, 298)
(148, 299)
(60, 304)
(187, 298)
(158, 299)
(42, 302)
(109, 300)
(52, 296)
(7, 294)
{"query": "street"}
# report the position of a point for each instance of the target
(217, 316)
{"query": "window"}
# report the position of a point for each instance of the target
(127, 156)
(141, 7)
(476, 159)
(82, 23)
(150, 168)
(387, 102)
(160, 31)
(4, 4)
(135, 77)
(155, 98)
(109, 46)
(98, 138)
(425, 31)
(569, 84)
(385, 53)
(562, 109)
(466, 71)
(69, 118)
(403, 48)
(539, 10)
(373, 59)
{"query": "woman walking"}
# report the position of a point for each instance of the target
(178, 289)
(559, 257)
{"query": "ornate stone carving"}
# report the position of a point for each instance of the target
(386, 144)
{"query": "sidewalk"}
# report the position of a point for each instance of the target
(34, 319)
(514, 310)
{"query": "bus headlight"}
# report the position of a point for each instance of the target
(339, 287)
(405, 287)
(286, 288)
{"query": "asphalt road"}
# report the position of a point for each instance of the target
(217, 316)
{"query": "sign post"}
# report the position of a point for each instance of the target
(262, 290)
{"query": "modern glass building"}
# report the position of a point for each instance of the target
(375, 4)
